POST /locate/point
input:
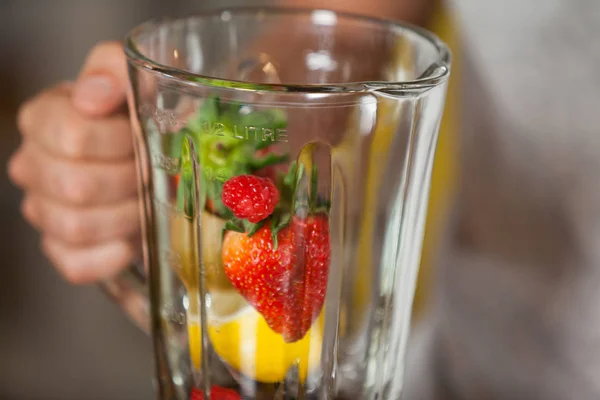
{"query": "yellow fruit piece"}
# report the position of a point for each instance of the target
(184, 239)
(248, 345)
(245, 342)
(195, 343)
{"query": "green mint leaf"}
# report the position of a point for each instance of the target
(221, 155)
(270, 119)
(268, 160)
(235, 225)
(253, 228)
(294, 176)
(322, 206)
(171, 143)
(289, 183)
(231, 115)
(290, 177)
(229, 84)
(314, 188)
(278, 119)
(274, 233)
(278, 222)
(299, 175)
(255, 119)
(226, 213)
(211, 109)
(284, 220)
(208, 113)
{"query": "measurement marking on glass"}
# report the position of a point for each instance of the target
(244, 132)
(168, 121)
(166, 118)
(169, 164)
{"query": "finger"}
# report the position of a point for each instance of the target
(29, 212)
(52, 122)
(31, 110)
(73, 183)
(103, 83)
(82, 226)
(16, 168)
(81, 265)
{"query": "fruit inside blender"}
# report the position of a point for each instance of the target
(254, 245)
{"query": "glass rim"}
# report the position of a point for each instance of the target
(436, 74)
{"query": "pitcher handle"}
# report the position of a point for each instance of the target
(130, 292)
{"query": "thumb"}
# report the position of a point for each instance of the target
(103, 83)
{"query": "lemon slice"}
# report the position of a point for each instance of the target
(225, 306)
(241, 337)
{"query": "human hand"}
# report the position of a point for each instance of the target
(76, 166)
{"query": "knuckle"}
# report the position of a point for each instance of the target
(63, 261)
(75, 228)
(128, 182)
(72, 272)
(29, 111)
(14, 168)
(125, 254)
(76, 189)
(73, 136)
(24, 115)
(29, 211)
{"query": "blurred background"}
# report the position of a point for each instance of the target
(58, 341)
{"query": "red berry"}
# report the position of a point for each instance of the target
(286, 285)
(197, 394)
(216, 393)
(250, 197)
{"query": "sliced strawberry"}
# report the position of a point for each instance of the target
(284, 280)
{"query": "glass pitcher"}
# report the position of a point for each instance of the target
(284, 162)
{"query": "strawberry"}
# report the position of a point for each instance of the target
(282, 273)
(250, 197)
(216, 393)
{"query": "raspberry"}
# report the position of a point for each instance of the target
(250, 197)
